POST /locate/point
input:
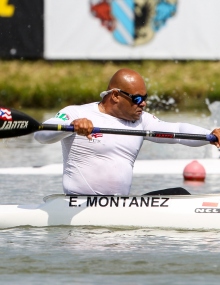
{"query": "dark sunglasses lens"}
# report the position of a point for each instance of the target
(138, 99)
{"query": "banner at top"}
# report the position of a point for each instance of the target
(132, 29)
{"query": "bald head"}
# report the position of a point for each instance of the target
(120, 100)
(127, 79)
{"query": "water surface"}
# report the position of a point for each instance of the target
(97, 255)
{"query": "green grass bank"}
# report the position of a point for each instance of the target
(55, 84)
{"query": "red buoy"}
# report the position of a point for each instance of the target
(194, 171)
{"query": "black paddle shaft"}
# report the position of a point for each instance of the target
(14, 123)
(155, 134)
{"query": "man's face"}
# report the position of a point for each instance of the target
(127, 108)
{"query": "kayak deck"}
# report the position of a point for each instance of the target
(178, 212)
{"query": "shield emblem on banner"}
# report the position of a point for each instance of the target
(133, 22)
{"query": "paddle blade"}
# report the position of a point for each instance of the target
(14, 123)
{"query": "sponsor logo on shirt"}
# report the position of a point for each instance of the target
(97, 135)
(96, 138)
(62, 116)
(155, 118)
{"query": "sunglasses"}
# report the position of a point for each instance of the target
(136, 99)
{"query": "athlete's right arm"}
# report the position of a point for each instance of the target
(69, 115)
(47, 137)
(64, 117)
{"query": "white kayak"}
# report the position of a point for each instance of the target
(201, 212)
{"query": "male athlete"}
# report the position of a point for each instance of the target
(101, 164)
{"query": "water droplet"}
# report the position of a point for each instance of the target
(13, 51)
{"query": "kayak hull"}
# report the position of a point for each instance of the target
(187, 212)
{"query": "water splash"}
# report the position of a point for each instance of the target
(215, 114)
(157, 103)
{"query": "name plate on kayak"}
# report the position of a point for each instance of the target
(122, 201)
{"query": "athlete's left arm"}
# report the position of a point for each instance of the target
(152, 123)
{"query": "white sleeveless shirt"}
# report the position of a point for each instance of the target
(104, 164)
